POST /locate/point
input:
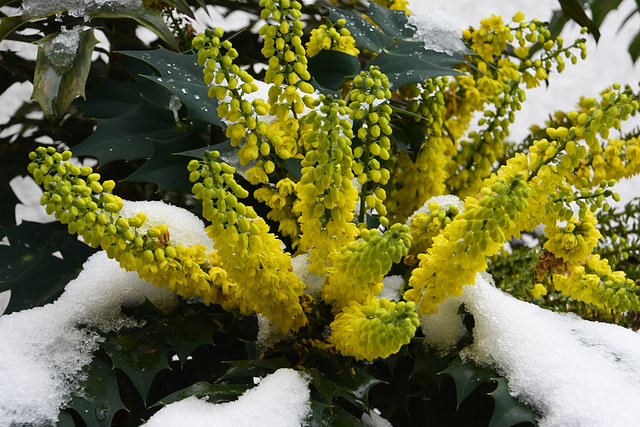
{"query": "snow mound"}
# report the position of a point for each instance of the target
(281, 399)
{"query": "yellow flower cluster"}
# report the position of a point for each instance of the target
(78, 199)
(425, 226)
(228, 80)
(355, 272)
(395, 5)
(596, 284)
(412, 183)
(375, 329)
(250, 254)
(573, 242)
(280, 198)
(370, 87)
(326, 196)
(286, 55)
(499, 85)
(331, 37)
(490, 39)
(518, 198)
(459, 252)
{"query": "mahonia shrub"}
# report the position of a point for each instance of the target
(336, 178)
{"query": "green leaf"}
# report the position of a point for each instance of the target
(601, 8)
(294, 166)
(509, 410)
(11, 23)
(6, 2)
(182, 6)
(572, 9)
(186, 332)
(56, 84)
(351, 384)
(165, 167)
(114, 98)
(99, 400)
(254, 368)
(150, 18)
(467, 377)
(126, 137)
(30, 270)
(330, 68)
(365, 34)
(409, 62)
(214, 392)
(409, 137)
(139, 354)
(182, 76)
(634, 47)
(221, 147)
(394, 23)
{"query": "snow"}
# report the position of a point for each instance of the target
(185, 228)
(374, 419)
(280, 399)
(43, 349)
(576, 372)
(392, 288)
(444, 201)
(61, 51)
(78, 8)
(439, 30)
(313, 283)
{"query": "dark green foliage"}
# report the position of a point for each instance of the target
(30, 253)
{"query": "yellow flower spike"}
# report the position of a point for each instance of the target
(375, 329)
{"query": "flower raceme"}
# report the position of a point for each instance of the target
(331, 37)
(77, 198)
(250, 254)
(377, 328)
(356, 271)
(518, 198)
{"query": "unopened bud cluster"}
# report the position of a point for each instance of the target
(327, 198)
(356, 271)
(369, 97)
(331, 36)
(78, 198)
(375, 329)
(248, 252)
(425, 226)
(286, 56)
(230, 84)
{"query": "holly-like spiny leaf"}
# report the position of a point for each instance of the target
(60, 76)
(139, 354)
(165, 167)
(365, 34)
(394, 23)
(407, 63)
(30, 254)
(331, 68)
(214, 392)
(99, 400)
(509, 410)
(467, 377)
(572, 9)
(185, 332)
(126, 137)
(254, 368)
(182, 76)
